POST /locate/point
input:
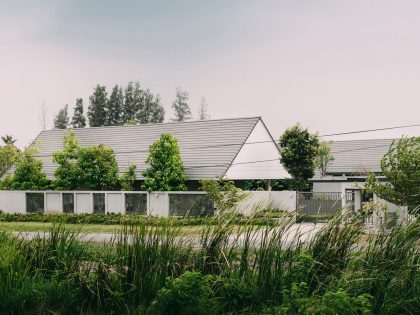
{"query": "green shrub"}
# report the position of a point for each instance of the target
(190, 294)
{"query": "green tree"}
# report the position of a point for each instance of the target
(180, 106)
(98, 168)
(128, 179)
(67, 174)
(324, 157)
(149, 109)
(202, 110)
(97, 107)
(299, 149)
(61, 121)
(28, 174)
(78, 120)
(223, 193)
(156, 111)
(114, 107)
(166, 169)
(9, 154)
(8, 139)
(131, 94)
(401, 166)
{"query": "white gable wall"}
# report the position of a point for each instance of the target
(252, 151)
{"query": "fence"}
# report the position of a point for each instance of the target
(133, 202)
(320, 206)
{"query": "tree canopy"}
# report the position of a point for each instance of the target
(202, 110)
(401, 166)
(28, 174)
(67, 173)
(324, 157)
(299, 149)
(180, 106)
(78, 120)
(97, 105)
(166, 169)
(9, 154)
(114, 107)
(91, 168)
(61, 121)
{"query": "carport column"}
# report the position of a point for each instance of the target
(269, 185)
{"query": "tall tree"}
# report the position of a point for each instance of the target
(67, 172)
(79, 119)
(130, 97)
(98, 168)
(324, 157)
(180, 106)
(156, 111)
(401, 166)
(166, 169)
(150, 110)
(28, 174)
(114, 107)
(299, 149)
(43, 116)
(9, 154)
(202, 110)
(8, 139)
(97, 107)
(61, 121)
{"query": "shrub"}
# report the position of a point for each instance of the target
(189, 294)
(223, 193)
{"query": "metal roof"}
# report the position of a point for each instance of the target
(358, 156)
(210, 143)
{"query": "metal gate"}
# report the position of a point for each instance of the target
(318, 206)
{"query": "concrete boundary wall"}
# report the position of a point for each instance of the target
(157, 203)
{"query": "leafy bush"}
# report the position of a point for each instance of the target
(189, 294)
(223, 193)
(150, 267)
(115, 219)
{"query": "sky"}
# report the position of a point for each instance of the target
(332, 66)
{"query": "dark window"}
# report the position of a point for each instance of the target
(35, 202)
(68, 203)
(98, 203)
(190, 204)
(135, 203)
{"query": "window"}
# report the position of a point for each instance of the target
(190, 204)
(35, 203)
(68, 203)
(135, 203)
(98, 203)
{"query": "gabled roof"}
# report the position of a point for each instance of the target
(358, 156)
(208, 147)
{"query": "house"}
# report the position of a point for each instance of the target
(240, 148)
(354, 161)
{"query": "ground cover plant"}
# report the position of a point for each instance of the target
(152, 268)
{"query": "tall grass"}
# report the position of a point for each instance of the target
(253, 269)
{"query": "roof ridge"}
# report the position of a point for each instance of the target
(157, 124)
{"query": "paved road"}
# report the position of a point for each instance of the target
(305, 232)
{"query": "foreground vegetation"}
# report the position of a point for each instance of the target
(153, 269)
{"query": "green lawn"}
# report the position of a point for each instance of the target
(83, 228)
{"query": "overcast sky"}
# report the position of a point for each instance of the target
(333, 66)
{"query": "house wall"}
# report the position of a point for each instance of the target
(327, 186)
(157, 202)
(259, 200)
(258, 147)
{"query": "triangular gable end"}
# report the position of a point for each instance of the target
(259, 158)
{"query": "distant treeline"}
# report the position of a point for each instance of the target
(125, 106)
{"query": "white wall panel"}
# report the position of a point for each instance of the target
(115, 203)
(258, 147)
(83, 203)
(53, 202)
